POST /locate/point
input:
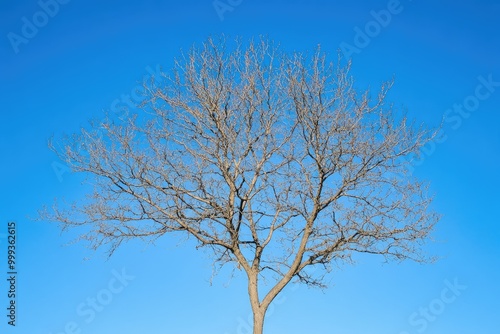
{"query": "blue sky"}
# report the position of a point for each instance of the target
(444, 57)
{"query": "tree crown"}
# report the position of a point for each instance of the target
(273, 161)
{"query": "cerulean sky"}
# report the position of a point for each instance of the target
(87, 55)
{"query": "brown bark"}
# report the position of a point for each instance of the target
(258, 321)
(258, 309)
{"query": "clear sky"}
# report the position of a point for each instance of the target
(64, 63)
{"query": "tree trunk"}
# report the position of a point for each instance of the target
(258, 310)
(258, 321)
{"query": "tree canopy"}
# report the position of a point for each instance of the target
(273, 161)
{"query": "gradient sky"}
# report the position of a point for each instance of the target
(88, 54)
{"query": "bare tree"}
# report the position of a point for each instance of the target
(273, 161)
